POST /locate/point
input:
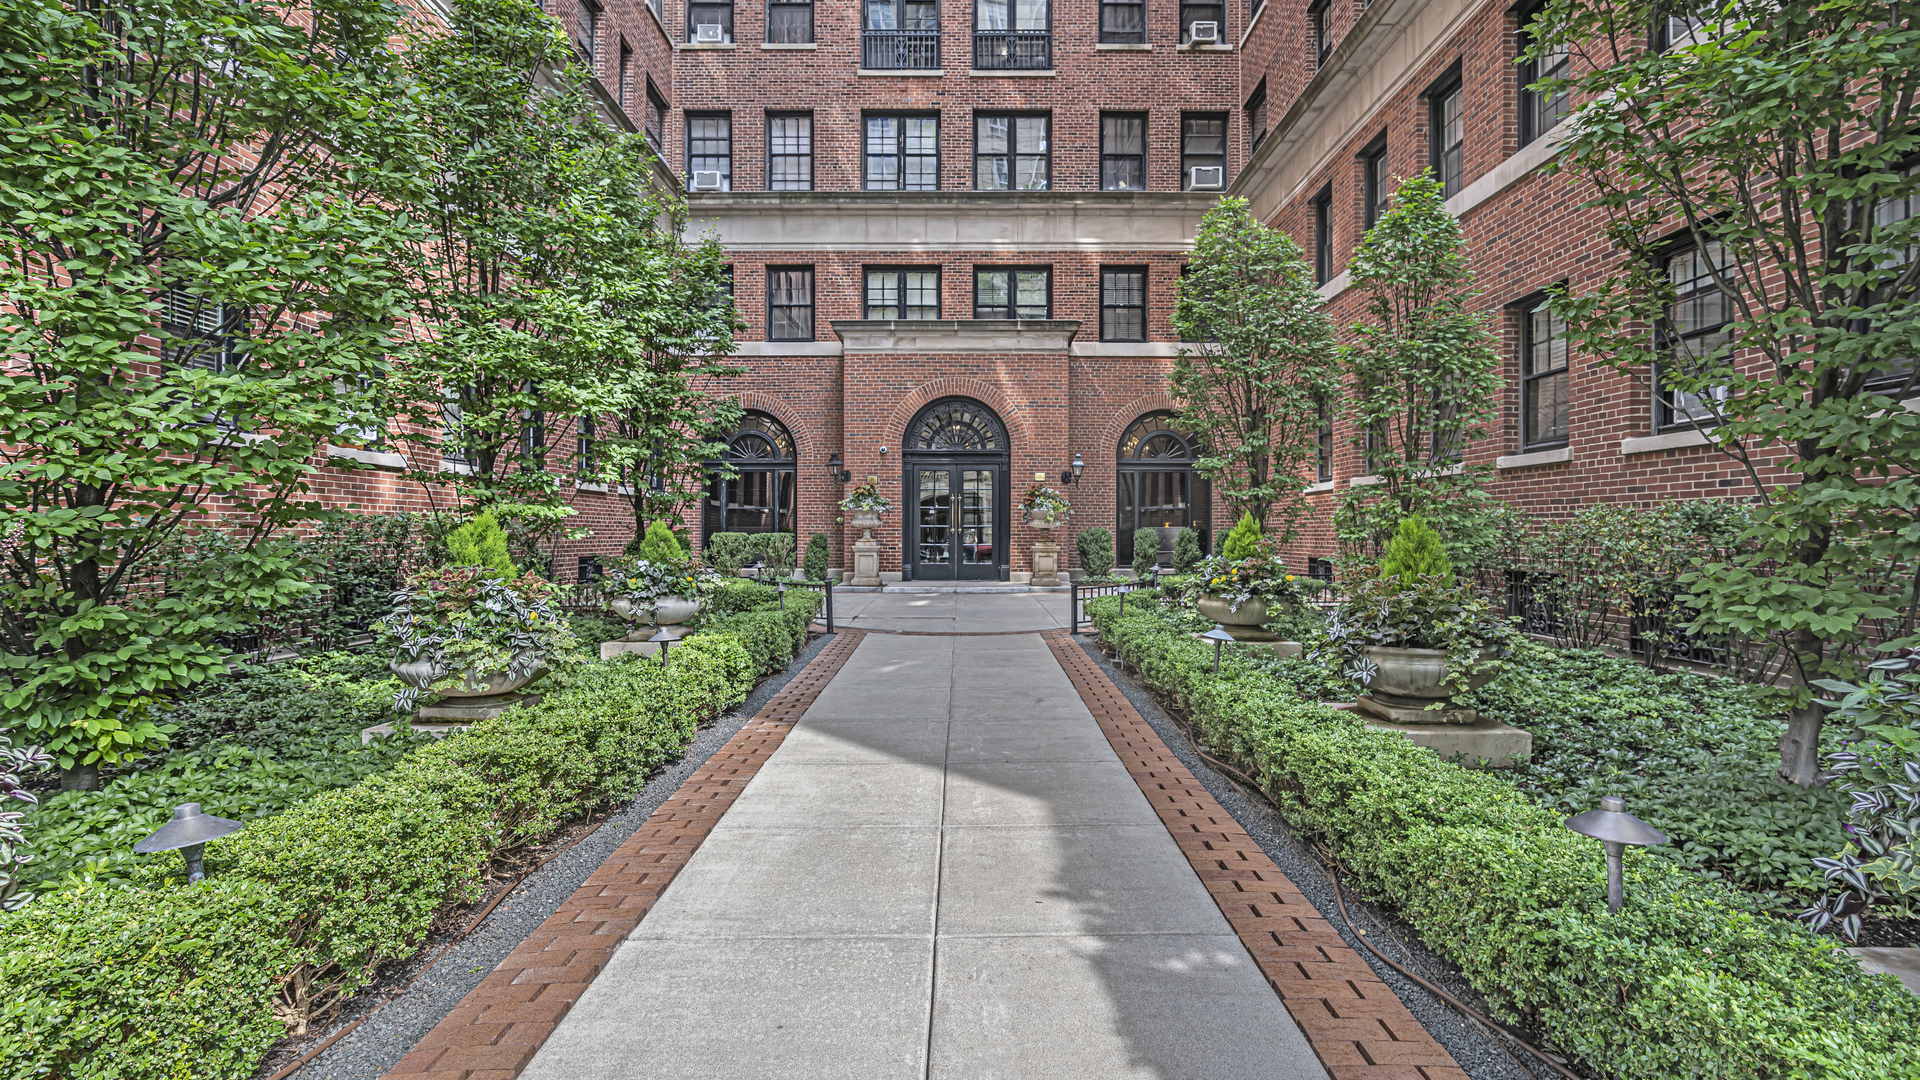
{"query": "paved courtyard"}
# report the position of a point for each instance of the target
(948, 849)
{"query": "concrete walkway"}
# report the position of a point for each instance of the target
(944, 870)
(949, 613)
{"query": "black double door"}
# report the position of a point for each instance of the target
(957, 518)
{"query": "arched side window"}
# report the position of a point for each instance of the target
(758, 498)
(1156, 486)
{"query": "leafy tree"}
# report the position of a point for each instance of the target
(1425, 376)
(209, 176)
(1777, 140)
(1415, 552)
(1253, 387)
(1243, 542)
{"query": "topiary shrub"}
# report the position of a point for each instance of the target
(819, 553)
(1188, 551)
(728, 552)
(1243, 542)
(1415, 552)
(1146, 551)
(1096, 551)
(482, 542)
(775, 549)
(660, 547)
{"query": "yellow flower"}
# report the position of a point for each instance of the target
(1289, 577)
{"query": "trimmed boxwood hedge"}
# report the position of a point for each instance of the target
(1690, 980)
(155, 979)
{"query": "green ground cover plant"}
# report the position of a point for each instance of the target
(142, 977)
(1692, 979)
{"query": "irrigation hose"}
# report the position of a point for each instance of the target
(300, 1062)
(1360, 935)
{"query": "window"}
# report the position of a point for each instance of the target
(710, 22)
(587, 31)
(585, 447)
(453, 450)
(1543, 378)
(1010, 153)
(1692, 335)
(709, 152)
(1257, 115)
(789, 151)
(1123, 152)
(901, 35)
(1323, 437)
(533, 434)
(789, 303)
(911, 292)
(1320, 569)
(198, 332)
(789, 22)
(1892, 215)
(1540, 110)
(1123, 303)
(1379, 188)
(1012, 293)
(1446, 136)
(656, 115)
(758, 496)
(1123, 22)
(1012, 35)
(1318, 17)
(1203, 152)
(625, 76)
(1213, 23)
(903, 153)
(1675, 31)
(1323, 236)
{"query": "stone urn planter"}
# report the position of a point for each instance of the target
(1243, 624)
(1036, 520)
(866, 521)
(666, 611)
(466, 695)
(1408, 681)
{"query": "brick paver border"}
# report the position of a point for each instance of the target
(495, 1030)
(1356, 1024)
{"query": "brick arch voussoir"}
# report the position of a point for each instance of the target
(1013, 416)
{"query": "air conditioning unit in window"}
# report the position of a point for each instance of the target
(709, 34)
(1208, 177)
(1207, 32)
(706, 181)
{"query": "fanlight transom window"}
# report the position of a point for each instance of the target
(760, 438)
(957, 425)
(1152, 438)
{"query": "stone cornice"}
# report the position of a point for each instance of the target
(956, 335)
(940, 221)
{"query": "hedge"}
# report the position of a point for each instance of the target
(156, 979)
(1690, 980)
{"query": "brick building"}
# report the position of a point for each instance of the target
(957, 231)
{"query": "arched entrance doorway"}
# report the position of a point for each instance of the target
(955, 453)
(1157, 487)
(758, 498)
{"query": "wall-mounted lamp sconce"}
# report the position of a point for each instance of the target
(188, 833)
(1072, 473)
(1617, 828)
(838, 470)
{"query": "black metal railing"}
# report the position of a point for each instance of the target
(1012, 50)
(900, 50)
(1079, 593)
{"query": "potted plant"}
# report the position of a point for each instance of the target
(472, 633)
(1045, 508)
(1247, 593)
(864, 505)
(1413, 635)
(657, 593)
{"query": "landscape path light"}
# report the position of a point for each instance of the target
(1123, 590)
(188, 833)
(1219, 636)
(782, 590)
(665, 641)
(1617, 828)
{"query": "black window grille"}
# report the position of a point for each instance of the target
(1012, 293)
(900, 35)
(1012, 35)
(1123, 303)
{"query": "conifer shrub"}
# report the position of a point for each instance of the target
(660, 547)
(1243, 542)
(1415, 552)
(1096, 552)
(1146, 551)
(819, 552)
(482, 542)
(1187, 551)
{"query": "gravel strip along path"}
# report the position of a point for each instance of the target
(379, 1043)
(1482, 1055)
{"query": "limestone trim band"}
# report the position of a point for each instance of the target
(1356, 1024)
(497, 1028)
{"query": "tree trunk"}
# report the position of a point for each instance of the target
(1800, 747)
